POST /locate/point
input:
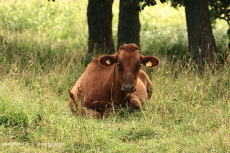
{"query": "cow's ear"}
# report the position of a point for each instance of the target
(149, 61)
(108, 60)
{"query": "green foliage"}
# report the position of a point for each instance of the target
(39, 62)
(144, 3)
(220, 9)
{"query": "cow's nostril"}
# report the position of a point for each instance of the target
(128, 86)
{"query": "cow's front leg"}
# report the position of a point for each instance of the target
(83, 111)
(93, 113)
(134, 102)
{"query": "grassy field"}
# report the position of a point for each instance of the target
(42, 52)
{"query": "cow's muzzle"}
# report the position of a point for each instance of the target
(129, 88)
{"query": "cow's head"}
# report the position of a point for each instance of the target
(128, 62)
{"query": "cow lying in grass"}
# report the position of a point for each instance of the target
(111, 81)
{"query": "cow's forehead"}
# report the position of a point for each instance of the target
(130, 57)
(129, 53)
(131, 46)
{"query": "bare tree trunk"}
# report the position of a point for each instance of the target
(200, 37)
(129, 23)
(99, 15)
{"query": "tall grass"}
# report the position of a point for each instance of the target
(42, 52)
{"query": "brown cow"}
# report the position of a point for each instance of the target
(111, 81)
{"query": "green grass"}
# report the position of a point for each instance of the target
(42, 53)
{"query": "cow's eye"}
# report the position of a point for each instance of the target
(119, 66)
(139, 67)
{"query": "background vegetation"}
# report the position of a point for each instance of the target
(42, 53)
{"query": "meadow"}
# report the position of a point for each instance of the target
(43, 48)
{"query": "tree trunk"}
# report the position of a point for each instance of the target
(99, 15)
(129, 23)
(200, 37)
